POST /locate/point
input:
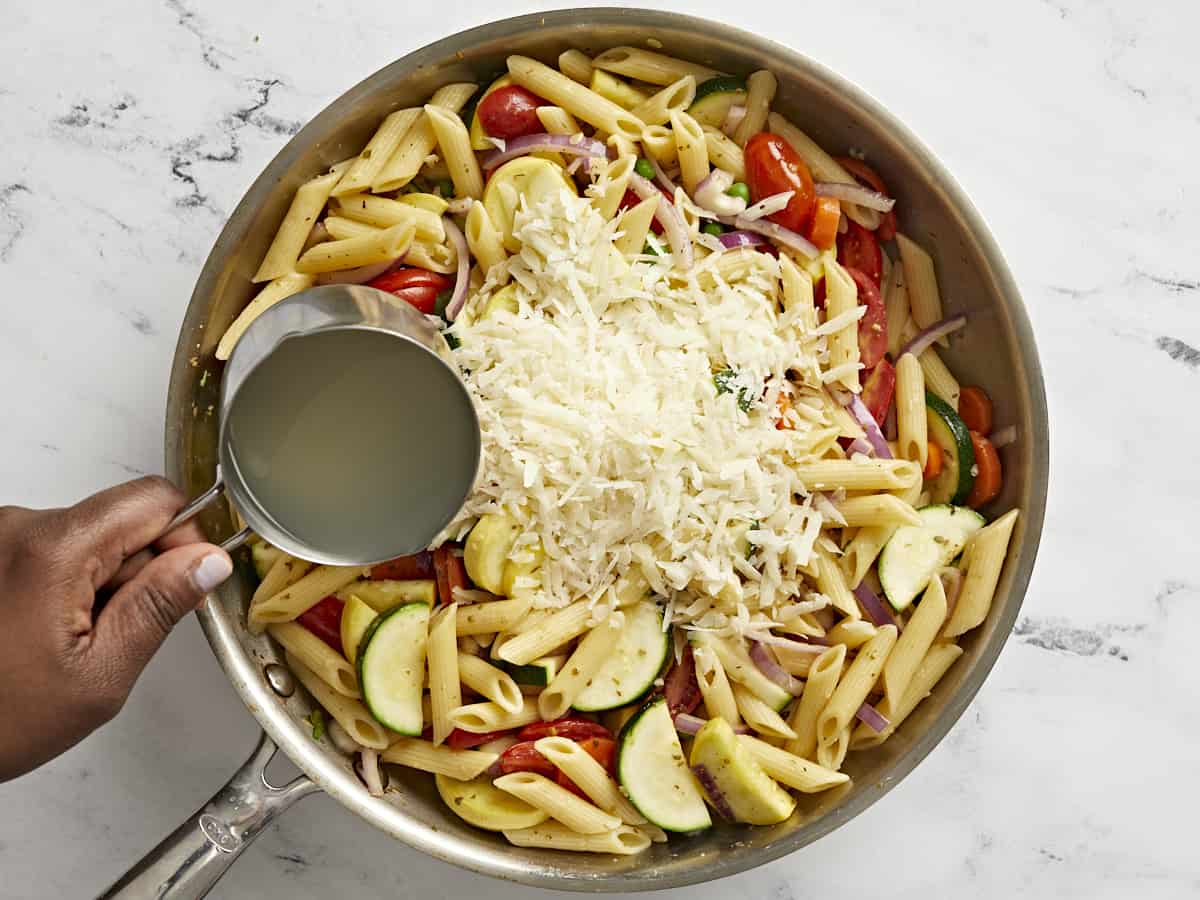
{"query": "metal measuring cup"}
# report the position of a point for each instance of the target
(321, 312)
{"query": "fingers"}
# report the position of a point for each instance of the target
(143, 611)
(114, 524)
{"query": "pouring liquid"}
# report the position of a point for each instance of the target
(353, 441)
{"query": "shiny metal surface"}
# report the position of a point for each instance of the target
(997, 350)
(191, 859)
(318, 310)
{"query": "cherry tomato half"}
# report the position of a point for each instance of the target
(510, 112)
(772, 167)
(450, 572)
(418, 287)
(325, 621)
(868, 177)
(524, 757)
(872, 327)
(569, 727)
(859, 249)
(404, 568)
(879, 389)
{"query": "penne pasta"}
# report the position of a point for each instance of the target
(576, 65)
(859, 474)
(912, 422)
(299, 597)
(841, 298)
(724, 153)
(622, 93)
(346, 711)
(634, 227)
(296, 226)
(623, 841)
(912, 645)
(573, 97)
(495, 684)
(659, 144)
(831, 581)
(675, 97)
(557, 120)
(834, 721)
(851, 633)
(593, 651)
(691, 149)
(558, 803)
(383, 212)
(484, 241)
(823, 677)
(760, 93)
(491, 616)
(714, 686)
(455, 144)
(985, 554)
(418, 142)
(612, 186)
(370, 162)
(650, 67)
(461, 765)
(445, 691)
(788, 768)
(280, 289)
(895, 300)
(333, 256)
(285, 572)
(935, 664)
(920, 280)
(589, 776)
(759, 715)
(317, 656)
(480, 718)
(877, 509)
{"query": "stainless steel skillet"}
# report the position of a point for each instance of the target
(997, 350)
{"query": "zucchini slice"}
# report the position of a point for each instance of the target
(953, 484)
(357, 617)
(733, 781)
(485, 806)
(654, 773)
(635, 662)
(487, 549)
(528, 177)
(386, 594)
(538, 673)
(714, 97)
(916, 552)
(391, 667)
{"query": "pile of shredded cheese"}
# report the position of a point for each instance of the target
(606, 438)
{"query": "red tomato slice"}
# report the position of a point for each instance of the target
(404, 568)
(859, 249)
(418, 287)
(772, 167)
(524, 757)
(879, 389)
(569, 727)
(680, 687)
(325, 621)
(465, 740)
(603, 750)
(868, 177)
(450, 572)
(510, 112)
(872, 327)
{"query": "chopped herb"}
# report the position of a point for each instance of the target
(316, 719)
(204, 378)
(650, 250)
(644, 167)
(716, 229)
(452, 340)
(446, 188)
(726, 382)
(739, 189)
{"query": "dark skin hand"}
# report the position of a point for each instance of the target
(85, 601)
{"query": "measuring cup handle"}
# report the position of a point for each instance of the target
(201, 503)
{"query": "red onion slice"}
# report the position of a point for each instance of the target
(1002, 437)
(686, 723)
(872, 718)
(369, 761)
(732, 239)
(778, 233)
(863, 417)
(680, 687)
(769, 666)
(459, 297)
(713, 791)
(873, 608)
(952, 582)
(923, 339)
(671, 219)
(459, 206)
(361, 275)
(856, 194)
(860, 445)
(572, 144)
(733, 119)
(710, 193)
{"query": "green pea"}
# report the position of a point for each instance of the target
(716, 229)
(644, 168)
(739, 189)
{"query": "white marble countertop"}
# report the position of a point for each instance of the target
(131, 130)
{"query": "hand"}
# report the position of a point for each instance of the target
(84, 603)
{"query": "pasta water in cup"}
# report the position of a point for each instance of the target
(347, 437)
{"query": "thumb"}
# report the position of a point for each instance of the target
(139, 616)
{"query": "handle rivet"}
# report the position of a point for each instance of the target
(281, 680)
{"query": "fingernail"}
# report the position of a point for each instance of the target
(213, 570)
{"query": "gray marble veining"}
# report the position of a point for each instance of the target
(131, 130)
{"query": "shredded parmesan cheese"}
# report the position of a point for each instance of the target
(628, 414)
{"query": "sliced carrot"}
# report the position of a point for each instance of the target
(975, 409)
(933, 462)
(988, 477)
(823, 228)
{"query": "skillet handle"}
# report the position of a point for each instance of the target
(187, 864)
